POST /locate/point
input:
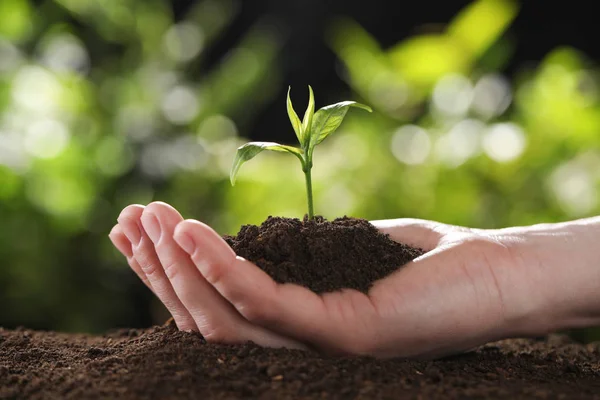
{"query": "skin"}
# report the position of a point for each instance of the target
(471, 287)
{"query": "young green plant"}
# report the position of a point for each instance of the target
(312, 130)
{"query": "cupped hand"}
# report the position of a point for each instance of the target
(470, 287)
(448, 300)
(144, 235)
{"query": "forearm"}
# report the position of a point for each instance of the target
(556, 274)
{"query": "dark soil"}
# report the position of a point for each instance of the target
(322, 255)
(163, 363)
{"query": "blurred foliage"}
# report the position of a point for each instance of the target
(108, 103)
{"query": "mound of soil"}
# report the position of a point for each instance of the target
(322, 255)
(164, 363)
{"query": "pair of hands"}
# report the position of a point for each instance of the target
(471, 287)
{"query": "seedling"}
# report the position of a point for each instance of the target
(314, 128)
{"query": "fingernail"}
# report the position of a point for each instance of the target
(112, 237)
(122, 247)
(152, 226)
(186, 243)
(132, 231)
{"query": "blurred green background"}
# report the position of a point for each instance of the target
(108, 103)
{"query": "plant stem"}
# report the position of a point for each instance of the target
(311, 213)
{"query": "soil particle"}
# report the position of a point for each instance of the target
(164, 363)
(322, 255)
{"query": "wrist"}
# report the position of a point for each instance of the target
(554, 276)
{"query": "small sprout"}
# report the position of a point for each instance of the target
(312, 130)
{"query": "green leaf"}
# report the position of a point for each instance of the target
(250, 150)
(308, 116)
(329, 118)
(294, 117)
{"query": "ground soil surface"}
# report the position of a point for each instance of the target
(163, 363)
(322, 255)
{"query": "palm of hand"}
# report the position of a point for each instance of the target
(448, 300)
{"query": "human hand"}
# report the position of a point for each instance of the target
(471, 287)
(144, 235)
(448, 300)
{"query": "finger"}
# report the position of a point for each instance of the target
(338, 322)
(423, 234)
(123, 244)
(145, 255)
(216, 318)
(120, 241)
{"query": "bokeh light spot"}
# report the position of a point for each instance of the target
(46, 138)
(154, 160)
(337, 200)
(574, 189)
(390, 92)
(492, 96)
(65, 52)
(460, 143)
(411, 144)
(37, 90)
(217, 127)
(504, 142)
(187, 153)
(452, 95)
(180, 105)
(184, 41)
